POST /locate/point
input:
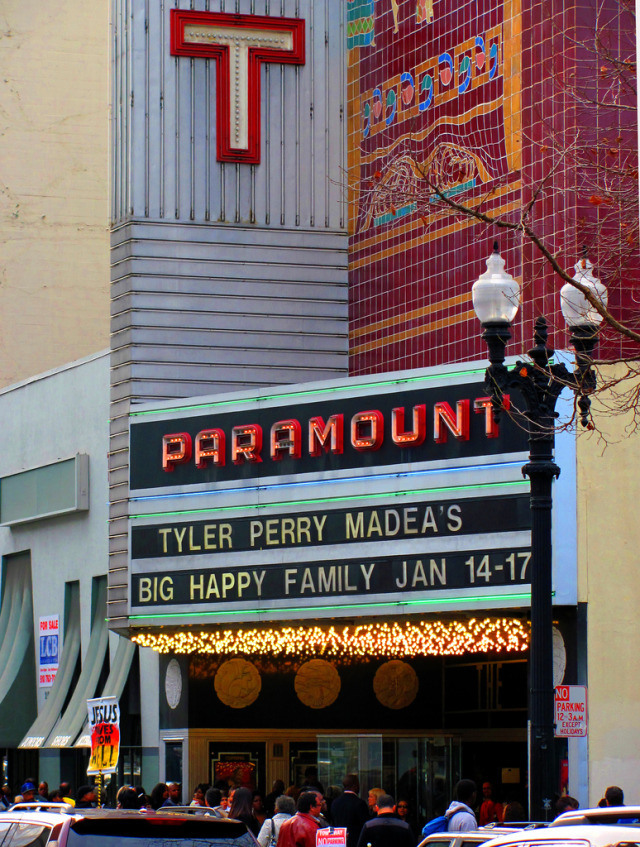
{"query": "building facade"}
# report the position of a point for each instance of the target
(57, 650)
(237, 194)
(313, 520)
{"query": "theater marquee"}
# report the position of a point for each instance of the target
(328, 499)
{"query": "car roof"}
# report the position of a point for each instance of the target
(597, 836)
(600, 815)
(33, 813)
(480, 835)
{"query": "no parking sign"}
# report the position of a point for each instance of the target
(571, 711)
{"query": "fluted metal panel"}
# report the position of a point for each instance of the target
(164, 118)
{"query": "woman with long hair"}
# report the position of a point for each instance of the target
(159, 794)
(242, 810)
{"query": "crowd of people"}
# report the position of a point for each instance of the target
(291, 817)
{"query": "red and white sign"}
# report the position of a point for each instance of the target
(333, 836)
(571, 711)
(239, 44)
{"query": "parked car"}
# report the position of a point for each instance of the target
(604, 815)
(465, 839)
(572, 836)
(33, 827)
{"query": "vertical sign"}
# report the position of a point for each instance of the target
(49, 644)
(104, 727)
(571, 711)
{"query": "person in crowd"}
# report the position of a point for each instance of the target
(126, 798)
(602, 803)
(242, 809)
(386, 829)
(300, 830)
(284, 809)
(403, 811)
(270, 800)
(566, 804)
(614, 796)
(28, 792)
(55, 796)
(350, 810)
(311, 781)
(460, 812)
(513, 813)
(175, 793)
(257, 804)
(5, 798)
(372, 800)
(159, 795)
(43, 792)
(293, 791)
(86, 797)
(65, 790)
(490, 810)
(212, 798)
(333, 792)
(198, 796)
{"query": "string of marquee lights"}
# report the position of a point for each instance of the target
(375, 640)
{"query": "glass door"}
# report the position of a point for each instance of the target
(422, 771)
(339, 755)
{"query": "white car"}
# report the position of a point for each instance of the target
(602, 815)
(587, 835)
(470, 838)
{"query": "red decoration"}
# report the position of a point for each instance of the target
(234, 109)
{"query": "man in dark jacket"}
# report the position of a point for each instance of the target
(386, 830)
(350, 810)
(300, 830)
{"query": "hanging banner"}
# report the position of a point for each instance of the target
(104, 726)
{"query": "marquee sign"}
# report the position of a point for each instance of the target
(382, 491)
(417, 424)
(438, 519)
(317, 579)
(239, 44)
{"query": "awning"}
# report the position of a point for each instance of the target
(114, 686)
(66, 730)
(50, 713)
(16, 638)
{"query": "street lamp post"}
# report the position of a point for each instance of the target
(496, 299)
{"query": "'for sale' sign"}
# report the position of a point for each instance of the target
(49, 638)
(571, 711)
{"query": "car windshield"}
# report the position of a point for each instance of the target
(158, 832)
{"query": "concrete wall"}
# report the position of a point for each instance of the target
(608, 545)
(54, 256)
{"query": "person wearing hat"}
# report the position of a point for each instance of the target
(28, 791)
